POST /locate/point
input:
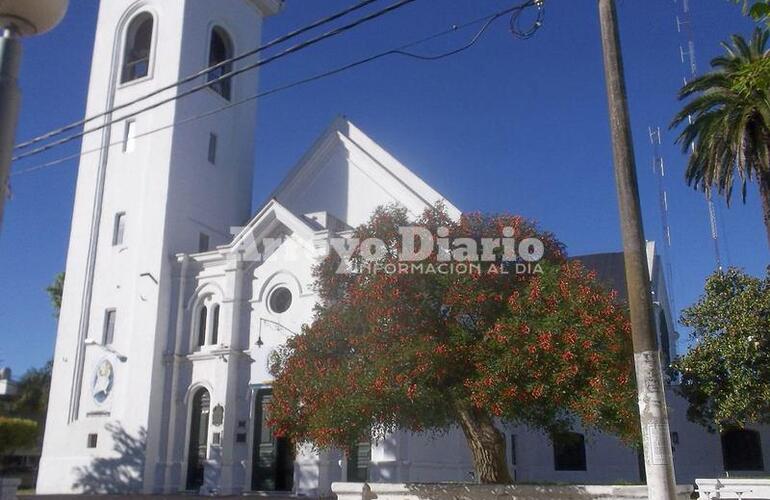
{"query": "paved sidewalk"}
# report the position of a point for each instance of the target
(179, 496)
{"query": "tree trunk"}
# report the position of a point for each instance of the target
(487, 445)
(764, 190)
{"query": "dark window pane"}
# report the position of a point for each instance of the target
(109, 326)
(220, 51)
(569, 451)
(119, 229)
(742, 450)
(359, 458)
(203, 242)
(215, 325)
(136, 58)
(202, 319)
(280, 300)
(212, 149)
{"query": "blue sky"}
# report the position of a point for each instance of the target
(516, 126)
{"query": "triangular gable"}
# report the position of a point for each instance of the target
(265, 222)
(348, 175)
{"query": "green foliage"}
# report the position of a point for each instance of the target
(728, 121)
(55, 291)
(16, 433)
(414, 350)
(759, 10)
(725, 376)
(730, 126)
(31, 400)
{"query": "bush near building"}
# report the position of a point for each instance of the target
(725, 376)
(16, 434)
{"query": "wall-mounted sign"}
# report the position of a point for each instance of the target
(217, 415)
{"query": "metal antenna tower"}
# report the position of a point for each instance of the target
(684, 25)
(659, 169)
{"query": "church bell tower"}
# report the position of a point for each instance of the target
(150, 185)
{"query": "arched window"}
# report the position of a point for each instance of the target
(742, 450)
(215, 324)
(202, 320)
(136, 55)
(220, 50)
(569, 451)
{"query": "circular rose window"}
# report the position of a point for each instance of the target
(280, 300)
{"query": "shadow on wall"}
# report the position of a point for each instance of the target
(121, 472)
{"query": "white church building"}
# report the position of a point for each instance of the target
(160, 380)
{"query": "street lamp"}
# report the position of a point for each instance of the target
(18, 18)
(260, 342)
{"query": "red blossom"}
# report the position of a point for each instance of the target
(545, 341)
(380, 351)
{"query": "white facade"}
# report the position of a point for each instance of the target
(162, 354)
(170, 194)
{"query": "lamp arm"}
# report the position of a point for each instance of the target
(260, 343)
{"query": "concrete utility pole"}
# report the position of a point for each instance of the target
(658, 459)
(17, 18)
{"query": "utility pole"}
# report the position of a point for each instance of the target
(18, 18)
(658, 459)
(10, 96)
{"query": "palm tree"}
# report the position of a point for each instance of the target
(729, 122)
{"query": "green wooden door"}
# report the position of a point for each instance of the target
(199, 438)
(272, 458)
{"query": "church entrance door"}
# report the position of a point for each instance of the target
(272, 458)
(199, 438)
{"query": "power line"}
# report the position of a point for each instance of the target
(198, 88)
(515, 22)
(203, 72)
(401, 51)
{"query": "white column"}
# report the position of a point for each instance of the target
(174, 460)
(233, 477)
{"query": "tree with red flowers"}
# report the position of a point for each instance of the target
(544, 346)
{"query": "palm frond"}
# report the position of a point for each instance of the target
(744, 50)
(708, 81)
(759, 41)
(727, 119)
